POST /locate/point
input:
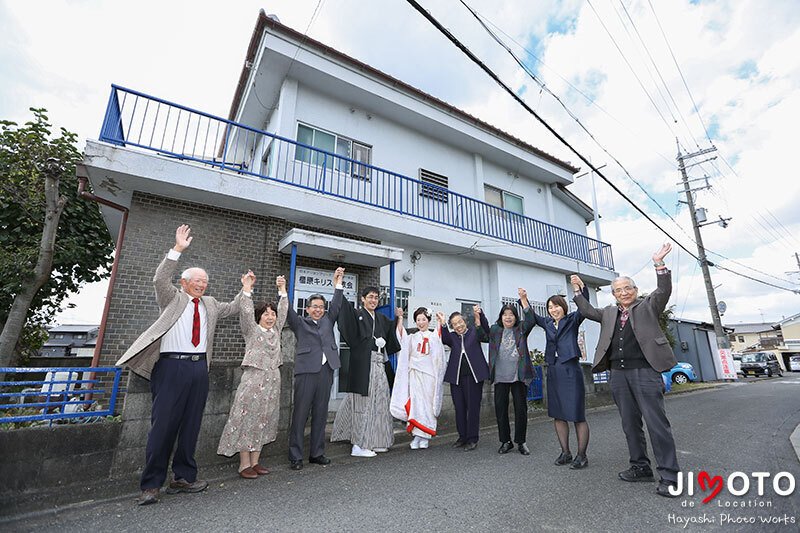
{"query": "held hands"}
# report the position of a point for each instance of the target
(398, 313)
(523, 294)
(476, 310)
(658, 257)
(440, 318)
(280, 282)
(248, 280)
(182, 238)
(577, 282)
(338, 276)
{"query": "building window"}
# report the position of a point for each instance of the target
(331, 142)
(540, 308)
(741, 338)
(401, 297)
(437, 190)
(503, 199)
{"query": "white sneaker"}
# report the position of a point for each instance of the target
(357, 451)
(423, 443)
(380, 450)
(415, 443)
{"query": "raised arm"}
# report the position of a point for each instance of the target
(165, 290)
(481, 324)
(247, 321)
(447, 338)
(338, 295)
(283, 303)
(660, 297)
(581, 299)
(528, 316)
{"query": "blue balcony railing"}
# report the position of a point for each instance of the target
(138, 120)
(71, 393)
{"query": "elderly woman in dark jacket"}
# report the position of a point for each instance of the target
(566, 395)
(466, 371)
(511, 370)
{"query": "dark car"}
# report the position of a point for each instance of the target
(760, 364)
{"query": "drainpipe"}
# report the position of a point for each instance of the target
(83, 193)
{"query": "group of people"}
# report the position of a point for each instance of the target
(175, 354)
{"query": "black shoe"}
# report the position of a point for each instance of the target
(296, 465)
(523, 449)
(663, 489)
(505, 447)
(470, 446)
(458, 444)
(580, 462)
(637, 473)
(320, 460)
(564, 459)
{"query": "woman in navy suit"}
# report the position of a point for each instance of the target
(566, 395)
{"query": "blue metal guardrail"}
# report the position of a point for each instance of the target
(535, 391)
(142, 121)
(65, 393)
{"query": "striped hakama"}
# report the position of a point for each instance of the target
(365, 420)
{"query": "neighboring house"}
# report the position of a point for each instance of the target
(70, 341)
(754, 336)
(696, 343)
(789, 331)
(326, 161)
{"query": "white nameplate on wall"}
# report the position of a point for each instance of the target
(321, 281)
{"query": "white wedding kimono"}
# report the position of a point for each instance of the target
(417, 393)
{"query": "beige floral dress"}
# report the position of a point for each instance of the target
(253, 419)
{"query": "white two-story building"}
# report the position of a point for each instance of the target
(323, 161)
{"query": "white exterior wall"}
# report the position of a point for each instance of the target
(567, 218)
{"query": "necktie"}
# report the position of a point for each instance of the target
(196, 322)
(623, 317)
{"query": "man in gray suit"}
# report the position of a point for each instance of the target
(636, 350)
(175, 354)
(317, 356)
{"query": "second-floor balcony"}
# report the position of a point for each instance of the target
(137, 120)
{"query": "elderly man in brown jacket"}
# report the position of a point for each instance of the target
(636, 350)
(175, 354)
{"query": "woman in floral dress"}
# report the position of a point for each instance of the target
(253, 419)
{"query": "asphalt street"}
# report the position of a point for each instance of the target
(740, 427)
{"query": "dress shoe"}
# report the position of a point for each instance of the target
(505, 447)
(319, 460)
(147, 497)
(637, 473)
(470, 446)
(260, 470)
(458, 444)
(248, 473)
(523, 449)
(663, 489)
(296, 465)
(580, 462)
(564, 459)
(358, 451)
(181, 485)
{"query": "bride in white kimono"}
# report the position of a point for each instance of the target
(417, 392)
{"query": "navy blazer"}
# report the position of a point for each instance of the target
(472, 346)
(563, 340)
(314, 338)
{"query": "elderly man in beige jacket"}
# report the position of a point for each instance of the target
(174, 354)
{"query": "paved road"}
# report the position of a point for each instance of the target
(741, 427)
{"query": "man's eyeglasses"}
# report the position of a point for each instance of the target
(626, 288)
(316, 307)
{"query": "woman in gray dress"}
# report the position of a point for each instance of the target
(253, 419)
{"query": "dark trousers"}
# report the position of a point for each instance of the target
(519, 394)
(467, 402)
(179, 389)
(639, 393)
(311, 395)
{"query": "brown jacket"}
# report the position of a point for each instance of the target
(644, 314)
(143, 354)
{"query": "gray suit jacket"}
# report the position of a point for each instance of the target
(143, 354)
(313, 337)
(644, 314)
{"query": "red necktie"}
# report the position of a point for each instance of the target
(196, 322)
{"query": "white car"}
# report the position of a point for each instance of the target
(794, 363)
(737, 362)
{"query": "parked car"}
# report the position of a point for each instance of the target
(737, 362)
(794, 363)
(680, 373)
(760, 364)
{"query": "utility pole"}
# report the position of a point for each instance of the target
(722, 339)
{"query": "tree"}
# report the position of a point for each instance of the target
(51, 240)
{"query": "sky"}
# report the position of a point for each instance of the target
(637, 74)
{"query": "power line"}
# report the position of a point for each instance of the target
(466, 51)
